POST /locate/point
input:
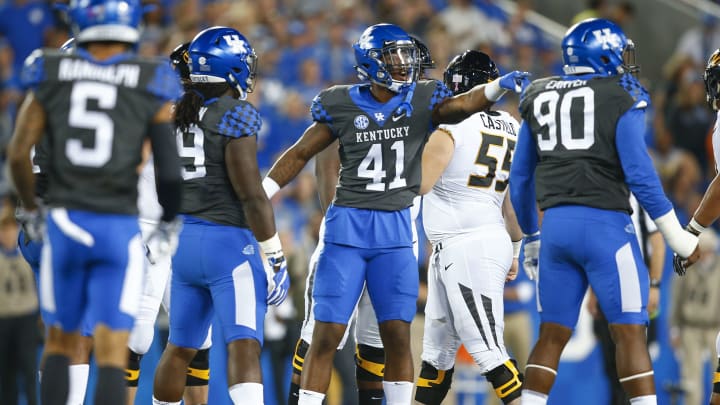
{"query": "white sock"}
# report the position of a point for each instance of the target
(310, 398)
(533, 398)
(158, 402)
(644, 400)
(398, 392)
(247, 393)
(78, 383)
(39, 376)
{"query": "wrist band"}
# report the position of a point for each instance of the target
(516, 248)
(271, 246)
(493, 91)
(695, 225)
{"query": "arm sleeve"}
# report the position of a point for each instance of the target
(167, 169)
(640, 174)
(522, 181)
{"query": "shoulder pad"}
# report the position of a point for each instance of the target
(240, 120)
(165, 83)
(33, 70)
(317, 110)
(440, 93)
(641, 98)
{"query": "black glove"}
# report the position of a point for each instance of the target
(679, 265)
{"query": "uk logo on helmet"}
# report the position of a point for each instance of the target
(607, 38)
(236, 44)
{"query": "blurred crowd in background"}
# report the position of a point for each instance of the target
(305, 46)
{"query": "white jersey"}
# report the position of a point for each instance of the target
(470, 192)
(149, 208)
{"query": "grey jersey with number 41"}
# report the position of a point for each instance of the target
(380, 148)
(98, 116)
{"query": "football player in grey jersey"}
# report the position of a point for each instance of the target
(97, 106)
(369, 352)
(381, 126)
(228, 223)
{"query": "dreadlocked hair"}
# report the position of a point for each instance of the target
(187, 110)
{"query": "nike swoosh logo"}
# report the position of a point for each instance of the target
(395, 118)
(448, 266)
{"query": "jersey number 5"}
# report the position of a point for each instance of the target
(98, 121)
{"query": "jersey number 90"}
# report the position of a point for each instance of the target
(551, 110)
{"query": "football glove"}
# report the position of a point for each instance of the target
(531, 251)
(679, 264)
(163, 240)
(31, 222)
(275, 270)
(515, 81)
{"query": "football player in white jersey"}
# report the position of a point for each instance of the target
(467, 167)
(709, 209)
(156, 287)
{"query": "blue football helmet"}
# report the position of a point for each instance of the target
(384, 49)
(105, 20)
(223, 54)
(598, 46)
(68, 45)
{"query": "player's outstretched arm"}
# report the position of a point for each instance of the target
(29, 129)
(316, 138)
(455, 109)
(436, 156)
(327, 171)
(643, 181)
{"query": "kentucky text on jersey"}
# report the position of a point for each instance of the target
(497, 123)
(380, 134)
(565, 84)
(78, 69)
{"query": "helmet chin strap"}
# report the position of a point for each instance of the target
(406, 107)
(243, 93)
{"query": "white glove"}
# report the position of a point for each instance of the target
(163, 240)
(275, 270)
(531, 252)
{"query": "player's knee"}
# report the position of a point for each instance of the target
(141, 338)
(198, 372)
(506, 380)
(432, 384)
(132, 372)
(301, 349)
(369, 363)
